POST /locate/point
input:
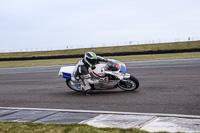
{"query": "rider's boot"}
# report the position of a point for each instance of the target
(86, 88)
(88, 92)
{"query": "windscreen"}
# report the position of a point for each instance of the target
(112, 66)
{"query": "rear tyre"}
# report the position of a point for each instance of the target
(129, 84)
(74, 86)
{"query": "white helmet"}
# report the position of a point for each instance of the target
(90, 58)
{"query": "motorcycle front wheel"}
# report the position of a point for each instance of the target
(74, 86)
(129, 84)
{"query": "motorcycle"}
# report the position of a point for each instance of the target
(113, 72)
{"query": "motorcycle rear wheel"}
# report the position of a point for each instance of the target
(129, 84)
(74, 87)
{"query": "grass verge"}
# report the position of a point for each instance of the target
(128, 48)
(9, 127)
(6, 64)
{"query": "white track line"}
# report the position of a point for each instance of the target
(105, 112)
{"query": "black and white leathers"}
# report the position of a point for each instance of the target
(82, 72)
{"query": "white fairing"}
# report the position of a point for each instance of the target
(99, 71)
(67, 69)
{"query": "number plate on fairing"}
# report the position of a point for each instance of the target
(99, 71)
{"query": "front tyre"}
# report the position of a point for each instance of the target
(129, 84)
(74, 86)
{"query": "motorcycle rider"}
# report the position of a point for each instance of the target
(83, 69)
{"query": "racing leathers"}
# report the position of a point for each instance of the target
(82, 73)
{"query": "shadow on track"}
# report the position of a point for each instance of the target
(100, 93)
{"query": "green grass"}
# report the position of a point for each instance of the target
(8, 127)
(129, 48)
(5, 64)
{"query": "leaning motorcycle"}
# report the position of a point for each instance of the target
(113, 71)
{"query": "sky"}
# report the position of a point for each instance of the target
(34, 25)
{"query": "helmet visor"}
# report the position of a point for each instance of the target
(91, 61)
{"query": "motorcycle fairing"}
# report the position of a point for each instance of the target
(67, 76)
(98, 72)
(122, 70)
(106, 85)
(66, 72)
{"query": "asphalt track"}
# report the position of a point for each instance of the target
(166, 86)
